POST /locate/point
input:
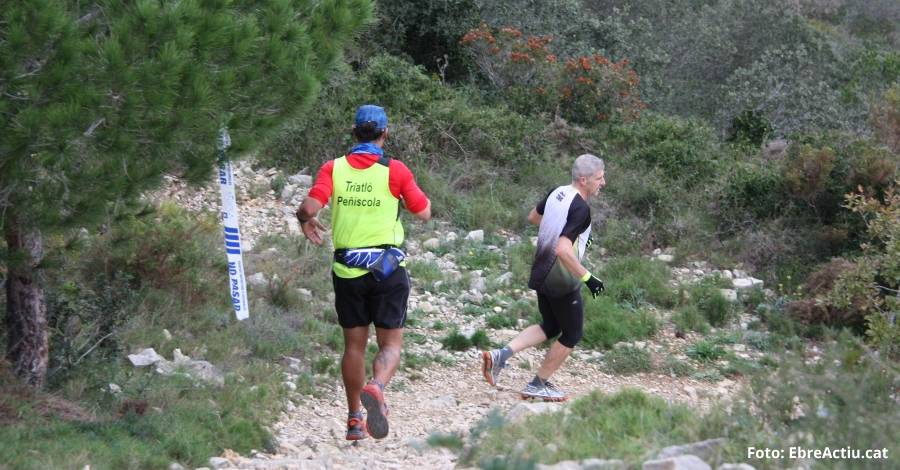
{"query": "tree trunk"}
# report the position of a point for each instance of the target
(26, 310)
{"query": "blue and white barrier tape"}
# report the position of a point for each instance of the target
(230, 219)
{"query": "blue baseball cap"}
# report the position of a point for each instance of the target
(371, 113)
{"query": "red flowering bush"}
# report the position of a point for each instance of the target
(581, 89)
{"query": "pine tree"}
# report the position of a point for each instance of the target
(101, 98)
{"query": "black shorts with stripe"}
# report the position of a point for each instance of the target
(361, 301)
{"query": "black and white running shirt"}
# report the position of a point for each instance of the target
(565, 214)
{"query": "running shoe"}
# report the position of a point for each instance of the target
(491, 365)
(372, 399)
(356, 426)
(545, 392)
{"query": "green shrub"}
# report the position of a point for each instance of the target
(845, 399)
(621, 426)
(689, 318)
(480, 340)
(644, 193)
(750, 127)
(426, 272)
(684, 150)
(751, 191)
(709, 302)
(501, 320)
(607, 323)
(620, 238)
(705, 351)
(456, 341)
(676, 367)
(758, 340)
(637, 280)
(628, 360)
(477, 256)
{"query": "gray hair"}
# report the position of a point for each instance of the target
(586, 165)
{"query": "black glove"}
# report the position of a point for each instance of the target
(595, 286)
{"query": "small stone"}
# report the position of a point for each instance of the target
(682, 462)
(145, 358)
(475, 236)
(218, 462)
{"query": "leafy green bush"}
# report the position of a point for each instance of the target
(621, 426)
(684, 150)
(750, 127)
(751, 190)
(688, 318)
(456, 341)
(607, 323)
(501, 320)
(845, 399)
(705, 351)
(636, 280)
(620, 238)
(709, 302)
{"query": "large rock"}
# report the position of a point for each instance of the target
(522, 411)
(729, 294)
(505, 279)
(477, 284)
(706, 450)
(586, 464)
(475, 236)
(144, 358)
(219, 462)
(201, 370)
(431, 244)
(682, 462)
(257, 279)
(301, 180)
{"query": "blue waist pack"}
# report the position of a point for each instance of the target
(381, 262)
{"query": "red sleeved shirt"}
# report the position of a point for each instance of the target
(400, 179)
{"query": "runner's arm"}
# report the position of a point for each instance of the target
(425, 214)
(534, 217)
(565, 251)
(309, 224)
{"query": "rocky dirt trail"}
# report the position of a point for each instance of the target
(442, 398)
(446, 392)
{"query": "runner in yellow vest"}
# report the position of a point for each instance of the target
(370, 282)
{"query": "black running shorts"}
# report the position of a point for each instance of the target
(361, 301)
(563, 316)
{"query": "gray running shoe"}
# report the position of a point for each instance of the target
(491, 365)
(545, 392)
